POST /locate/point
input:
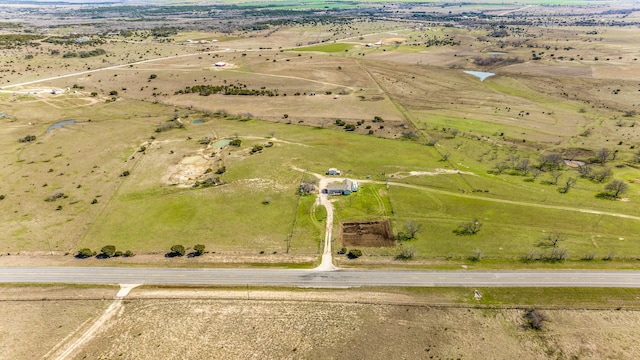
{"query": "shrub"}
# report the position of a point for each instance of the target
(198, 249)
(177, 250)
(535, 319)
(55, 197)
(405, 252)
(402, 236)
(469, 228)
(108, 251)
(28, 138)
(153, 76)
(129, 253)
(236, 142)
(354, 254)
(85, 253)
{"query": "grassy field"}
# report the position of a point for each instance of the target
(430, 143)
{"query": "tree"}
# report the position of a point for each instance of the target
(177, 250)
(550, 161)
(152, 76)
(553, 239)
(85, 253)
(308, 186)
(555, 175)
(523, 166)
(412, 228)
(616, 187)
(198, 249)
(469, 228)
(500, 167)
(108, 251)
(603, 154)
(568, 184)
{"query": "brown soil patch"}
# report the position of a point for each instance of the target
(367, 234)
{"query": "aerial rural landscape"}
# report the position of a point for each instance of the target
(312, 137)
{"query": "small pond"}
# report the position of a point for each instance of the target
(60, 124)
(199, 121)
(221, 143)
(496, 53)
(479, 74)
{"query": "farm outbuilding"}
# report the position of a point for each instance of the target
(333, 171)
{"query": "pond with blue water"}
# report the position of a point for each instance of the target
(479, 74)
(60, 124)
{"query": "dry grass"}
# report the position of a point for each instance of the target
(316, 324)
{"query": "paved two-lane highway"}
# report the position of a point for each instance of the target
(314, 278)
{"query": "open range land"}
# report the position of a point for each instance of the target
(480, 135)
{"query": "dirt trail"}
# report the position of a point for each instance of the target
(323, 199)
(64, 349)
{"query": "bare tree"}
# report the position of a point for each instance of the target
(603, 154)
(535, 172)
(500, 167)
(553, 239)
(513, 160)
(550, 161)
(601, 175)
(307, 187)
(555, 175)
(523, 166)
(585, 171)
(568, 184)
(412, 228)
(616, 187)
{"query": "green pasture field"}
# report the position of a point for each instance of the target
(509, 231)
(328, 48)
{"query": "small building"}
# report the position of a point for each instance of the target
(333, 172)
(342, 188)
(220, 64)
